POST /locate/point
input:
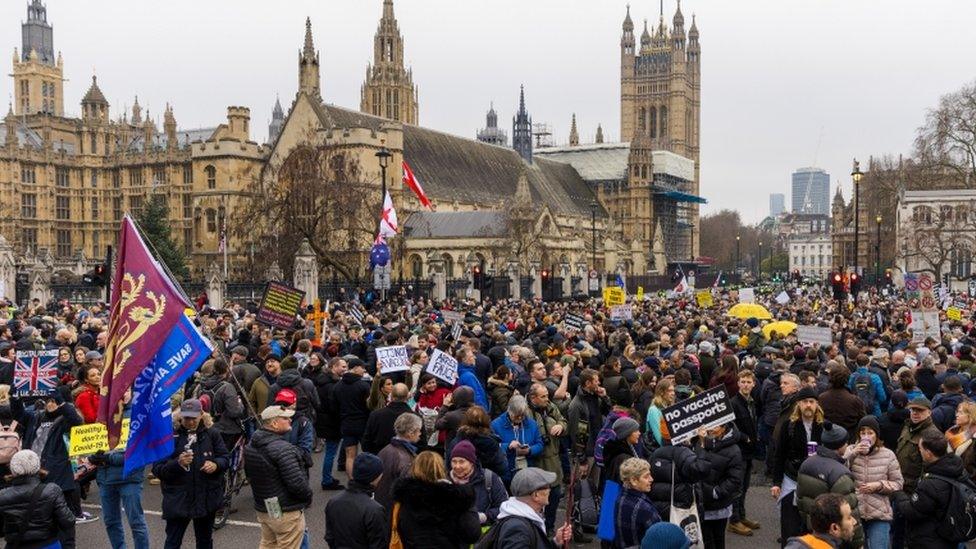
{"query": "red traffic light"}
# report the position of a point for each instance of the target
(854, 277)
(837, 277)
(477, 269)
(545, 274)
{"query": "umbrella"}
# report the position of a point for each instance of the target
(750, 310)
(782, 327)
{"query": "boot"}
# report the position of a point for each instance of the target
(751, 524)
(740, 529)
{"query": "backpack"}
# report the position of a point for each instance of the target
(9, 442)
(605, 435)
(490, 539)
(864, 390)
(959, 523)
(586, 506)
(208, 400)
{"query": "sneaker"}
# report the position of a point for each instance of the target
(751, 524)
(154, 481)
(740, 529)
(85, 518)
(334, 485)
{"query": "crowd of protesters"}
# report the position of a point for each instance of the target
(863, 442)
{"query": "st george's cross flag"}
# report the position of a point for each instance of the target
(388, 223)
(411, 181)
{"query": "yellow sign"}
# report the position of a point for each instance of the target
(704, 298)
(614, 295)
(88, 439)
(640, 293)
(953, 313)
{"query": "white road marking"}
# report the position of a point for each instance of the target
(159, 514)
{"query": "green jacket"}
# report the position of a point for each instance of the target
(546, 419)
(909, 459)
(826, 473)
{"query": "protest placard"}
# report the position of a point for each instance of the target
(575, 321)
(622, 312)
(783, 298)
(954, 313)
(279, 305)
(456, 331)
(456, 317)
(392, 359)
(614, 295)
(640, 293)
(704, 298)
(747, 295)
(925, 324)
(443, 366)
(814, 334)
(36, 373)
(704, 410)
(87, 439)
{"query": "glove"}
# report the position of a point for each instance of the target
(98, 459)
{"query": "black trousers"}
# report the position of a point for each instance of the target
(202, 531)
(739, 503)
(713, 533)
(790, 521)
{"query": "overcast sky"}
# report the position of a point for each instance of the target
(785, 83)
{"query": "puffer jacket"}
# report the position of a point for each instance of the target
(49, 521)
(276, 468)
(436, 514)
(724, 479)
(193, 493)
(691, 466)
(880, 465)
(825, 473)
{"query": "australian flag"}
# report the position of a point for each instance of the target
(36, 373)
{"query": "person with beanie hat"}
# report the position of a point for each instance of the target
(665, 535)
(826, 472)
(353, 518)
(877, 474)
(49, 521)
(792, 447)
(623, 446)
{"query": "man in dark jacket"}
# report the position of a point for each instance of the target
(192, 478)
(327, 422)
(839, 404)
(226, 405)
(925, 510)
(379, 426)
(397, 457)
(451, 414)
(826, 472)
(804, 426)
(520, 523)
(744, 407)
(245, 372)
(308, 397)
(353, 518)
(585, 414)
(945, 404)
(351, 394)
(49, 521)
(918, 426)
(893, 421)
(277, 472)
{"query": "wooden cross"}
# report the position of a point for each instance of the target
(318, 318)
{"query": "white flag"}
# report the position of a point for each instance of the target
(388, 223)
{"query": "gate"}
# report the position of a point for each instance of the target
(78, 294)
(498, 287)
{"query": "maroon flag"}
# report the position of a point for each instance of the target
(145, 307)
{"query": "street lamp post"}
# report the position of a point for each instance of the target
(759, 276)
(738, 239)
(593, 207)
(384, 158)
(856, 175)
(877, 254)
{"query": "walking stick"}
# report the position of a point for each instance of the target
(569, 498)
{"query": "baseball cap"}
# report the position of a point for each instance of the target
(287, 397)
(530, 479)
(272, 412)
(191, 408)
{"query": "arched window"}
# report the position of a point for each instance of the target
(448, 266)
(416, 267)
(663, 115)
(211, 220)
(642, 119)
(653, 131)
(961, 260)
(211, 177)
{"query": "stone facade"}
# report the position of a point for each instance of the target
(936, 232)
(389, 90)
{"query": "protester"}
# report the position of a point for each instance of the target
(552, 428)
(677, 472)
(826, 472)
(86, 395)
(489, 490)
(746, 417)
(520, 522)
(291, 378)
(944, 405)
(477, 430)
(380, 424)
(841, 406)
(500, 390)
(451, 414)
(634, 512)
(664, 396)
(893, 421)
(518, 435)
(35, 513)
(192, 478)
(722, 485)
(353, 518)
(664, 535)
(877, 476)
(804, 427)
(258, 394)
(623, 446)
(397, 456)
(327, 420)
(832, 521)
(351, 394)
(926, 508)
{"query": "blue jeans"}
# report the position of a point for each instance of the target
(331, 449)
(115, 498)
(876, 534)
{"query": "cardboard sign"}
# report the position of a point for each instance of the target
(640, 293)
(36, 373)
(925, 324)
(575, 321)
(814, 334)
(456, 331)
(783, 298)
(392, 359)
(622, 312)
(704, 299)
(747, 295)
(443, 366)
(87, 439)
(614, 295)
(953, 313)
(704, 410)
(453, 316)
(279, 305)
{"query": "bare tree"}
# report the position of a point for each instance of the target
(319, 193)
(935, 237)
(946, 143)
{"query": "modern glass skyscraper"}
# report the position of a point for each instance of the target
(777, 204)
(811, 191)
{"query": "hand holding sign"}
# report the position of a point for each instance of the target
(392, 359)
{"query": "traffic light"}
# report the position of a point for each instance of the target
(477, 277)
(837, 283)
(855, 284)
(888, 276)
(545, 275)
(97, 276)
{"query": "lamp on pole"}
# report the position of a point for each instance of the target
(877, 253)
(738, 239)
(856, 176)
(759, 276)
(593, 207)
(383, 155)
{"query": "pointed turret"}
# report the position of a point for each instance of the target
(136, 113)
(492, 133)
(693, 31)
(522, 129)
(169, 126)
(573, 134)
(11, 126)
(308, 64)
(645, 37)
(627, 38)
(277, 121)
(628, 22)
(678, 28)
(388, 90)
(94, 106)
(599, 133)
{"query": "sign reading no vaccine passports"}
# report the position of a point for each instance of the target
(704, 410)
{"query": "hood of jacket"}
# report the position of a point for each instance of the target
(289, 378)
(438, 499)
(513, 507)
(348, 378)
(952, 399)
(209, 383)
(949, 465)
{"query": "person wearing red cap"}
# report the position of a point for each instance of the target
(302, 433)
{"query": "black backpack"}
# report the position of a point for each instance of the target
(490, 539)
(864, 389)
(959, 523)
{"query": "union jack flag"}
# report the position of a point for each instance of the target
(36, 373)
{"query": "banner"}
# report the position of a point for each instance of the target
(392, 359)
(704, 299)
(575, 321)
(954, 313)
(614, 295)
(622, 312)
(814, 334)
(89, 438)
(280, 305)
(443, 366)
(456, 317)
(783, 298)
(36, 373)
(747, 295)
(704, 410)
(925, 324)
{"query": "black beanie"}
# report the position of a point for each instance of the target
(834, 437)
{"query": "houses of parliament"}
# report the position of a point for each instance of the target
(65, 182)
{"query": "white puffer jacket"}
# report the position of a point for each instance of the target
(880, 465)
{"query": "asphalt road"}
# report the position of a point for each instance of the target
(243, 530)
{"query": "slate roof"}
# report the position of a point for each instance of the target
(479, 223)
(183, 138)
(28, 137)
(456, 168)
(597, 162)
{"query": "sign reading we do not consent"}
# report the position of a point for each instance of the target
(279, 305)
